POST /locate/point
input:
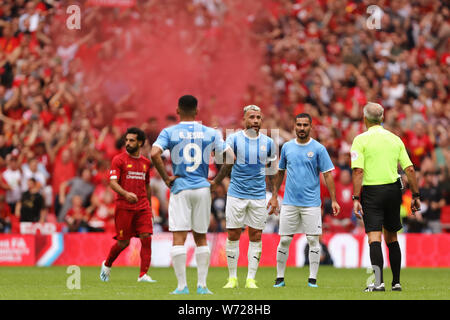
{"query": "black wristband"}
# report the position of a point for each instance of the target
(416, 195)
(355, 197)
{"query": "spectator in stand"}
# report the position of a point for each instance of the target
(79, 186)
(77, 216)
(344, 191)
(433, 201)
(13, 177)
(102, 211)
(5, 215)
(418, 143)
(31, 207)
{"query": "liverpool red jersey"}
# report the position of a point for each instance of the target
(133, 175)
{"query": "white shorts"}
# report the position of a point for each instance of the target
(246, 212)
(190, 210)
(295, 219)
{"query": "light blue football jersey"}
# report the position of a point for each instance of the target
(190, 144)
(248, 176)
(303, 163)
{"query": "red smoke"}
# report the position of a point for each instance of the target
(162, 55)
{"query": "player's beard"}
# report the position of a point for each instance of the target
(303, 135)
(132, 150)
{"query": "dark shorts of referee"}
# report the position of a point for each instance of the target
(381, 207)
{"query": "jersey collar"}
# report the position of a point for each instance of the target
(303, 144)
(375, 127)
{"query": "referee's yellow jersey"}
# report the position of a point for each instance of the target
(378, 152)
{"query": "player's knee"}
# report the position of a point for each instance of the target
(123, 243)
(234, 234)
(255, 235)
(285, 241)
(313, 241)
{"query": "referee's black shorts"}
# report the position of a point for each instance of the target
(381, 207)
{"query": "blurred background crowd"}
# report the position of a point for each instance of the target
(63, 115)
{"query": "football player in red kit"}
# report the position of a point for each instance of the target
(130, 179)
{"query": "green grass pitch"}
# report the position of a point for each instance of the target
(51, 283)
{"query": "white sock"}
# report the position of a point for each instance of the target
(202, 259)
(282, 255)
(254, 255)
(314, 255)
(178, 255)
(232, 251)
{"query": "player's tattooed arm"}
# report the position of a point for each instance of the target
(225, 169)
(276, 182)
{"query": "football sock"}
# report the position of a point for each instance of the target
(395, 259)
(376, 258)
(313, 255)
(254, 255)
(202, 259)
(178, 255)
(232, 251)
(282, 255)
(146, 254)
(113, 254)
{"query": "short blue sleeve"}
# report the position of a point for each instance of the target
(325, 163)
(163, 140)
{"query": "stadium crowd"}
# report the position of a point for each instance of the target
(57, 136)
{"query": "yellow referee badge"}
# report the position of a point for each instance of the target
(354, 155)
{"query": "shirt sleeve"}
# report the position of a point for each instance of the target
(163, 140)
(357, 154)
(282, 162)
(325, 163)
(403, 158)
(114, 173)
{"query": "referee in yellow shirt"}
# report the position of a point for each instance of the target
(377, 195)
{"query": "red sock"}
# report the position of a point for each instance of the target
(146, 254)
(113, 254)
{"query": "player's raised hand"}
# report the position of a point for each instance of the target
(131, 197)
(273, 205)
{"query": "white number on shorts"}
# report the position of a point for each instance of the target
(196, 158)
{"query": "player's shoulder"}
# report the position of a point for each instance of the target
(120, 157)
(316, 144)
(265, 137)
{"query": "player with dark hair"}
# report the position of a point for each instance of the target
(303, 158)
(190, 144)
(130, 179)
